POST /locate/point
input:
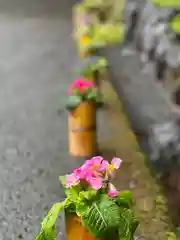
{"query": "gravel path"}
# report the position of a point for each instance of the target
(36, 60)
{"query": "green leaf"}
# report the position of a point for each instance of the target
(77, 92)
(104, 196)
(128, 224)
(102, 217)
(84, 201)
(73, 102)
(134, 225)
(171, 236)
(63, 180)
(97, 66)
(167, 3)
(92, 95)
(72, 194)
(48, 226)
(88, 195)
(175, 24)
(101, 33)
(81, 208)
(41, 236)
(125, 199)
(101, 63)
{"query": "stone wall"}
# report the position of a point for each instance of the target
(153, 31)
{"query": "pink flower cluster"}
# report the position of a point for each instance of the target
(95, 172)
(82, 85)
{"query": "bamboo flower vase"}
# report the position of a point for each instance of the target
(75, 230)
(82, 130)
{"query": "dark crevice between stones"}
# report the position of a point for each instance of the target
(176, 97)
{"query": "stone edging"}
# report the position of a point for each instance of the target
(151, 206)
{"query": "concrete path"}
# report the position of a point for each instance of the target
(36, 60)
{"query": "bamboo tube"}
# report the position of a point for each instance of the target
(75, 230)
(82, 130)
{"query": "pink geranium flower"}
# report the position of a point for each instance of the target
(112, 191)
(114, 166)
(95, 172)
(98, 164)
(95, 182)
(116, 162)
(82, 85)
(72, 180)
(92, 171)
(80, 173)
(95, 169)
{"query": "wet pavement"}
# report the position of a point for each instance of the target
(36, 60)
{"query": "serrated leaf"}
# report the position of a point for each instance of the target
(73, 102)
(81, 208)
(102, 217)
(73, 193)
(83, 201)
(128, 224)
